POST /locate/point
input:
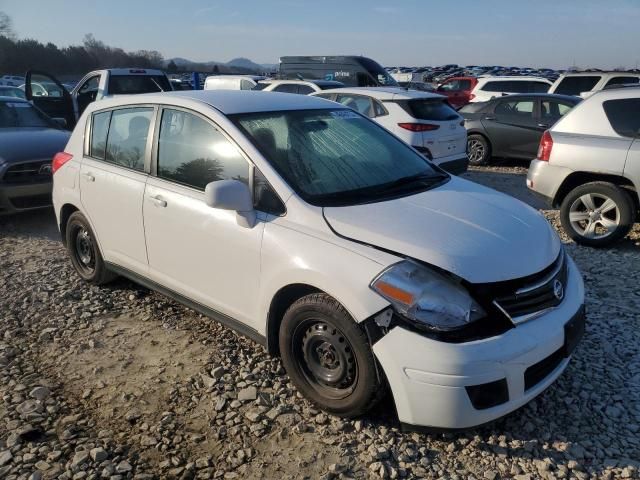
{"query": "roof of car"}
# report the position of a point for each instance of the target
(383, 93)
(598, 72)
(227, 101)
(511, 78)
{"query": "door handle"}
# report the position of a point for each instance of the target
(158, 201)
(543, 125)
(489, 117)
(89, 177)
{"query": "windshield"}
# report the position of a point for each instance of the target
(379, 74)
(337, 157)
(23, 114)
(132, 84)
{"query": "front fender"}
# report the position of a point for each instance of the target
(292, 257)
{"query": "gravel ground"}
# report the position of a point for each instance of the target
(120, 382)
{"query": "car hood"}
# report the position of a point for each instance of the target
(464, 228)
(22, 144)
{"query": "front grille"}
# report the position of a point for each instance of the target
(31, 201)
(30, 172)
(541, 292)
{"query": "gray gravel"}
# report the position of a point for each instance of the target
(122, 383)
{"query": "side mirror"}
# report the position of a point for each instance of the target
(232, 195)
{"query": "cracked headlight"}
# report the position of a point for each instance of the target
(426, 298)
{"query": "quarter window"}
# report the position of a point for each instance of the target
(623, 116)
(622, 81)
(192, 152)
(99, 130)
(127, 138)
(358, 103)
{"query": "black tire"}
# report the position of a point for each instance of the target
(478, 149)
(84, 252)
(328, 357)
(610, 224)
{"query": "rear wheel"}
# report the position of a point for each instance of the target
(328, 356)
(85, 254)
(597, 214)
(478, 149)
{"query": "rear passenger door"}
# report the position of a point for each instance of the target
(199, 252)
(512, 127)
(112, 181)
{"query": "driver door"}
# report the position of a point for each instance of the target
(50, 96)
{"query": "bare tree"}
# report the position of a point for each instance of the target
(6, 26)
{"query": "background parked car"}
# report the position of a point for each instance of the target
(28, 141)
(6, 91)
(420, 86)
(511, 126)
(584, 84)
(302, 87)
(59, 102)
(490, 87)
(589, 164)
(458, 90)
(232, 82)
(423, 120)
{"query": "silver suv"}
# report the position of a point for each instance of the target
(588, 164)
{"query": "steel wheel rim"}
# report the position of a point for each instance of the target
(594, 216)
(326, 358)
(85, 253)
(476, 150)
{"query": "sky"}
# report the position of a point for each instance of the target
(536, 33)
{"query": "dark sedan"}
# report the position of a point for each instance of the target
(28, 141)
(511, 126)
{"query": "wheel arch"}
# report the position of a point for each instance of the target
(280, 302)
(576, 179)
(65, 212)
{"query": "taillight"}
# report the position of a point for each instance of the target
(546, 144)
(59, 160)
(419, 127)
(472, 96)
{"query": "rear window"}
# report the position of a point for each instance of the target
(624, 116)
(577, 85)
(622, 81)
(436, 110)
(132, 84)
(473, 107)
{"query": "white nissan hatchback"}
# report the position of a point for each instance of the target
(311, 229)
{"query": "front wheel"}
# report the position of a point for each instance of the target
(478, 149)
(328, 357)
(597, 214)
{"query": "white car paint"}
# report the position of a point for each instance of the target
(231, 82)
(446, 145)
(213, 259)
(480, 92)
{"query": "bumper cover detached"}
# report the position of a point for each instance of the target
(447, 385)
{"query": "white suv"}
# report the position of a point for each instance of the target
(588, 164)
(491, 87)
(311, 229)
(423, 120)
(585, 84)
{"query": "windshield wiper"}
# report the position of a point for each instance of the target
(421, 179)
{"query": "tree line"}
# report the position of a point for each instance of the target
(19, 55)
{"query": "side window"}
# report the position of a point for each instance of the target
(286, 88)
(552, 111)
(622, 80)
(305, 89)
(192, 152)
(88, 92)
(493, 86)
(623, 116)
(522, 110)
(246, 85)
(538, 87)
(264, 197)
(127, 139)
(356, 102)
(99, 130)
(378, 109)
